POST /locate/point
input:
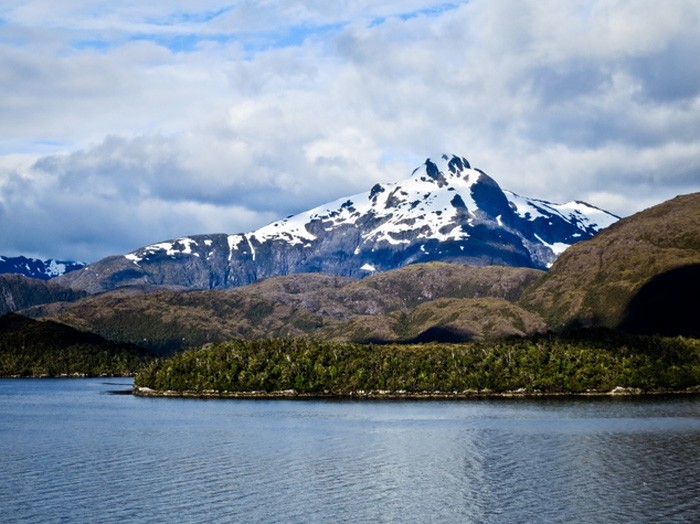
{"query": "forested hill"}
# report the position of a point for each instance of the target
(31, 348)
(581, 362)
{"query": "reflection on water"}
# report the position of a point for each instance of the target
(71, 453)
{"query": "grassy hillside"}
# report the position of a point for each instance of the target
(418, 283)
(439, 320)
(595, 281)
(33, 348)
(378, 308)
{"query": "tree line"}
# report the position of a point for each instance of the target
(570, 363)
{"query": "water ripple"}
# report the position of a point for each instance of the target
(71, 454)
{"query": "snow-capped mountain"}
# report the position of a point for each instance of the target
(35, 268)
(445, 210)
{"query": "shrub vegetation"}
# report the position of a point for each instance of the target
(571, 363)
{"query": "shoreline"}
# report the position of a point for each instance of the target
(67, 375)
(140, 391)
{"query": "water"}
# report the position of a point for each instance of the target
(72, 452)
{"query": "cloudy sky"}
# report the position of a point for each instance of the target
(123, 123)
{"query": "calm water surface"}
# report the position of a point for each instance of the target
(73, 452)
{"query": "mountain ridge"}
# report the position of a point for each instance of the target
(640, 275)
(20, 292)
(445, 211)
(402, 304)
(37, 268)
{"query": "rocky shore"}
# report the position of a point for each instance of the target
(409, 395)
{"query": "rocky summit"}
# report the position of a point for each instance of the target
(445, 211)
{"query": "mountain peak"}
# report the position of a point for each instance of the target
(443, 168)
(446, 210)
(456, 164)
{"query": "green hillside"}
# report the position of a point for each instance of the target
(594, 282)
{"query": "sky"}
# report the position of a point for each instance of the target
(124, 123)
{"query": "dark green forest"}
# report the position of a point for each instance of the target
(30, 348)
(577, 362)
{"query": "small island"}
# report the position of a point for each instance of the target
(590, 362)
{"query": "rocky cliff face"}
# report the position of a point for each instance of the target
(445, 211)
(19, 292)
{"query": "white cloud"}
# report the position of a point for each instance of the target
(136, 122)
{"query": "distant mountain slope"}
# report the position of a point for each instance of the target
(19, 292)
(448, 320)
(381, 307)
(35, 268)
(641, 273)
(446, 211)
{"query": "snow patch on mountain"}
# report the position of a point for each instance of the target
(421, 204)
(180, 246)
(55, 268)
(291, 230)
(36, 268)
(578, 212)
(591, 215)
(557, 247)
